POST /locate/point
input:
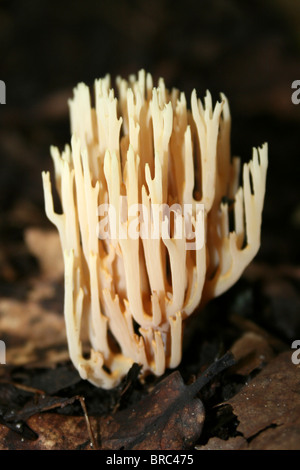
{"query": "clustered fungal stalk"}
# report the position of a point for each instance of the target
(133, 294)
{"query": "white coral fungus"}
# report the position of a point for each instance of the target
(135, 293)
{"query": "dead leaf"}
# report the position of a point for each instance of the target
(251, 351)
(32, 334)
(169, 418)
(246, 325)
(45, 246)
(19, 402)
(52, 432)
(37, 404)
(233, 443)
(268, 408)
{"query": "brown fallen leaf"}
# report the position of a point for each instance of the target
(52, 432)
(252, 351)
(169, 418)
(45, 246)
(37, 404)
(268, 408)
(33, 335)
(233, 443)
(246, 325)
(19, 402)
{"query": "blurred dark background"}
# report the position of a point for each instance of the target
(248, 49)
